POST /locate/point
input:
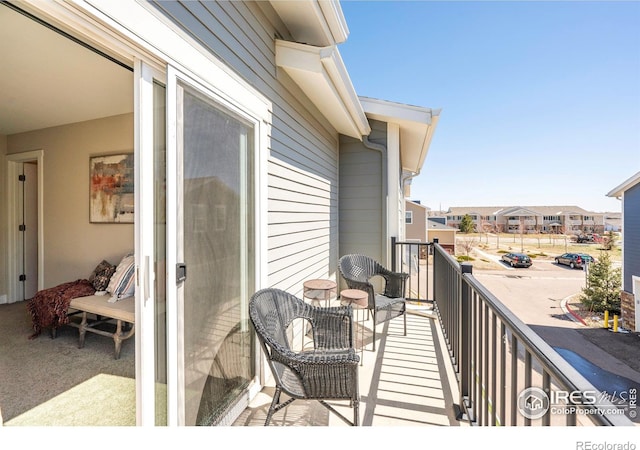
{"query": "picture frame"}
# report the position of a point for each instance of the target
(111, 188)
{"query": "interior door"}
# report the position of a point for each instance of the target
(30, 235)
(212, 190)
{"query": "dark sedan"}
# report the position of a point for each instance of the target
(517, 259)
(574, 260)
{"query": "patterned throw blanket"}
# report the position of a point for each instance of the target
(48, 308)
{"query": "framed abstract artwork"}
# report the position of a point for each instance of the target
(111, 184)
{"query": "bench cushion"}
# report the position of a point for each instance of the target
(123, 309)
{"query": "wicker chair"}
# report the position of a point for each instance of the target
(358, 270)
(328, 372)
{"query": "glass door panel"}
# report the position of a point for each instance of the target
(216, 148)
(160, 251)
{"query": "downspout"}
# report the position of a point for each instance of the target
(385, 216)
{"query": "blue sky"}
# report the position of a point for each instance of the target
(540, 100)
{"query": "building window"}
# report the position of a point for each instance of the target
(408, 217)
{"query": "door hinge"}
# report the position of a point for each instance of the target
(22, 277)
(22, 177)
(22, 227)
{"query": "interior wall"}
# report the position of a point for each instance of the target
(3, 219)
(72, 245)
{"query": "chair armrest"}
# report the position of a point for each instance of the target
(395, 283)
(332, 327)
(320, 373)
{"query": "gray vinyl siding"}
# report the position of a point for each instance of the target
(362, 224)
(303, 159)
(631, 236)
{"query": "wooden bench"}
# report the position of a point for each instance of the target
(122, 311)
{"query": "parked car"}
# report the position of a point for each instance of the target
(587, 238)
(574, 260)
(517, 259)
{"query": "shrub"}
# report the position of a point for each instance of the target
(602, 292)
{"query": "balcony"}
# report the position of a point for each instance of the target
(466, 360)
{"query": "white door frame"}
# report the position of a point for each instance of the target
(14, 163)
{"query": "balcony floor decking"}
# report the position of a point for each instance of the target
(407, 381)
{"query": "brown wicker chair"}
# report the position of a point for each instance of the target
(328, 372)
(358, 270)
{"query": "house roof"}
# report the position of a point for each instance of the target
(625, 186)
(417, 125)
(322, 76)
(433, 225)
(419, 205)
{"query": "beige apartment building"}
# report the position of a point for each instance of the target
(529, 219)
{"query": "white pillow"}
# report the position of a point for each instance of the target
(122, 283)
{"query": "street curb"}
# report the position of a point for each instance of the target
(569, 313)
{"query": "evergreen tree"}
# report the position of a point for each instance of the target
(466, 224)
(603, 286)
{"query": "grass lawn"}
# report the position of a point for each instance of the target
(542, 246)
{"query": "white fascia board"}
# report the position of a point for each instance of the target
(322, 76)
(417, 125)
(314, 22)
(625, 186)
(335, 20)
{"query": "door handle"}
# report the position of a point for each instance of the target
(181, 272)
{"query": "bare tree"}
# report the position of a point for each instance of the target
(563, 230)
(467, 245)
(499, 229)
(486, 227)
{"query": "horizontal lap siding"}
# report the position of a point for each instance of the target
(361, 215)
(302, 164)
(631, 236)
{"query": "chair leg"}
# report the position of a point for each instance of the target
(405, 322)
(272, 407)
(374, 330)
(356, 413)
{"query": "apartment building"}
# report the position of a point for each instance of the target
(529, 219)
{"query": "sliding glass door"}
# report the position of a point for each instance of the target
(215, 261)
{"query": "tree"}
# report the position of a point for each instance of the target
(467, 245)
(602, 292)
(486, 227)
(466, 224)
(499, 229)
(609, 241)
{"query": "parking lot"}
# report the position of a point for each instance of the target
(536, 295)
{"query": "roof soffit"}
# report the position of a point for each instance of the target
(322, 76)
(417, 125)
(625, 186)
(313, 22)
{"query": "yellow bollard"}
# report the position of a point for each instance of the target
(606, 319)
(615, 323)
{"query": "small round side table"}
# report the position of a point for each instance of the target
(319, 290)
(359, 300)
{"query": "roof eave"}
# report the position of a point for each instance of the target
(314, 22)
(322, 76)
(624, 186)
(417, 125)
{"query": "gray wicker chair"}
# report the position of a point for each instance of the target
(327, 372)
(358, 270)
